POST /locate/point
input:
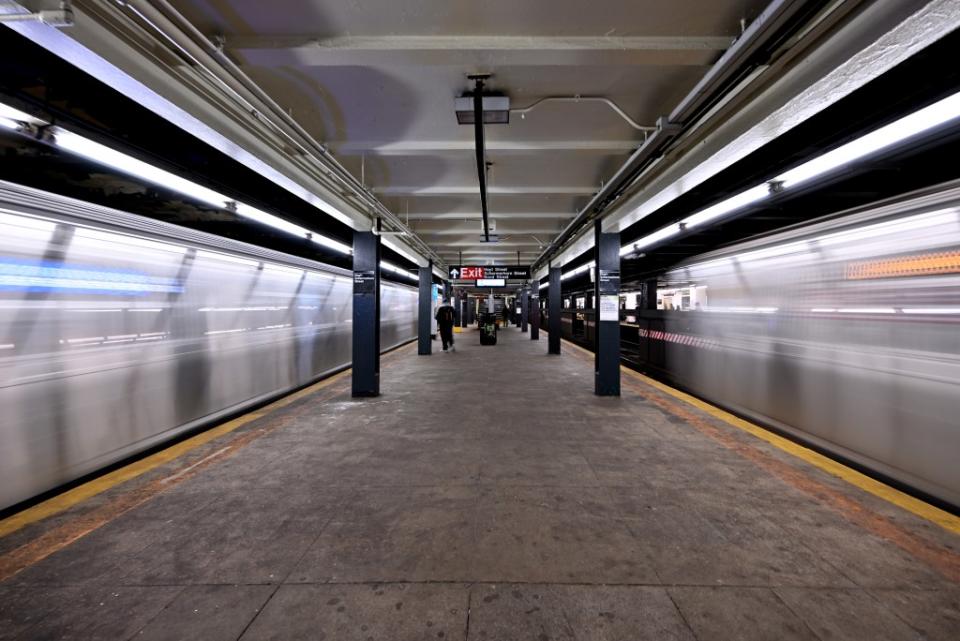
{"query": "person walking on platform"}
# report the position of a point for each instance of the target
(445, 317)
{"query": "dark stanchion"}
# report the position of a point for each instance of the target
(366, 314)
(553, 309)
(606, 296)
(535, 315)
(424, 344)
(524, 309)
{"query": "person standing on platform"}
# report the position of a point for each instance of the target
(445, 318)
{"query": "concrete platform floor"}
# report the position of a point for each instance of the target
(486, 495)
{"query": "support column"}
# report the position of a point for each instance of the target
(648, 295)
(553, 308)
(524, 308)
(366, 314)
(606, 296)
(424, 344)
(535, 313)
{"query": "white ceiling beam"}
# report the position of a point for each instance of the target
(505, 147)
(479, 243)
(474, 190)
(530, 215)
(455, 257)
(460, 231)
(486, 51)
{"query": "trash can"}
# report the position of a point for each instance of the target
(488, 329)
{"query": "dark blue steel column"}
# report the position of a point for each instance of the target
(524, 308)
(553, 308)
(606, 305)
(424, 344)
(366, 314)
(535, 313)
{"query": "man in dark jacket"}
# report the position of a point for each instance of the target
(445, 318)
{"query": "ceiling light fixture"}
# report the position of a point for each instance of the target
(496, 110)
(939, 113)
(127, 164)
(120, 161)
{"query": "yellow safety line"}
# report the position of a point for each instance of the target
(68, 499)
(913, 505)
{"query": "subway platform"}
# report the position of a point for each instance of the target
(487, 494)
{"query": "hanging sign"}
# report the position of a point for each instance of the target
(491, 272)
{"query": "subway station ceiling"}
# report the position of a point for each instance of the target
(348, 105)
(376, 82)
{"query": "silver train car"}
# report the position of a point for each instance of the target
(845, 333)
(119, 332)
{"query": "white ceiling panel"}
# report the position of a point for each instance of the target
(376, 81)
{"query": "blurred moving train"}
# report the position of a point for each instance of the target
(119, 332)
(844, 333)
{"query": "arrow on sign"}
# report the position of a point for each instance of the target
(454, 273)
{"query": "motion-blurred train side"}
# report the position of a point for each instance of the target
(845, 333)
(120, 332)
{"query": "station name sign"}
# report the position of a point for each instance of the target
(492, 272)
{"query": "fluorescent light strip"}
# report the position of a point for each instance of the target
(939, 113)
(11, 113)
(650, 239)
(127, 164)
(577, 270)
(262, 217)
(397, 270)
(727, 206)
(331, 243)
(102, 154)
(7, 123)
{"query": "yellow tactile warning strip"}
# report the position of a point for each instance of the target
(70, 498)
(905, 501)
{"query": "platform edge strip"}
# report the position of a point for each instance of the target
(870, 485)
(881, 490)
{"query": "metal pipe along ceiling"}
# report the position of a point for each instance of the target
(179, 31)
(769, 26)
(577, 99)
